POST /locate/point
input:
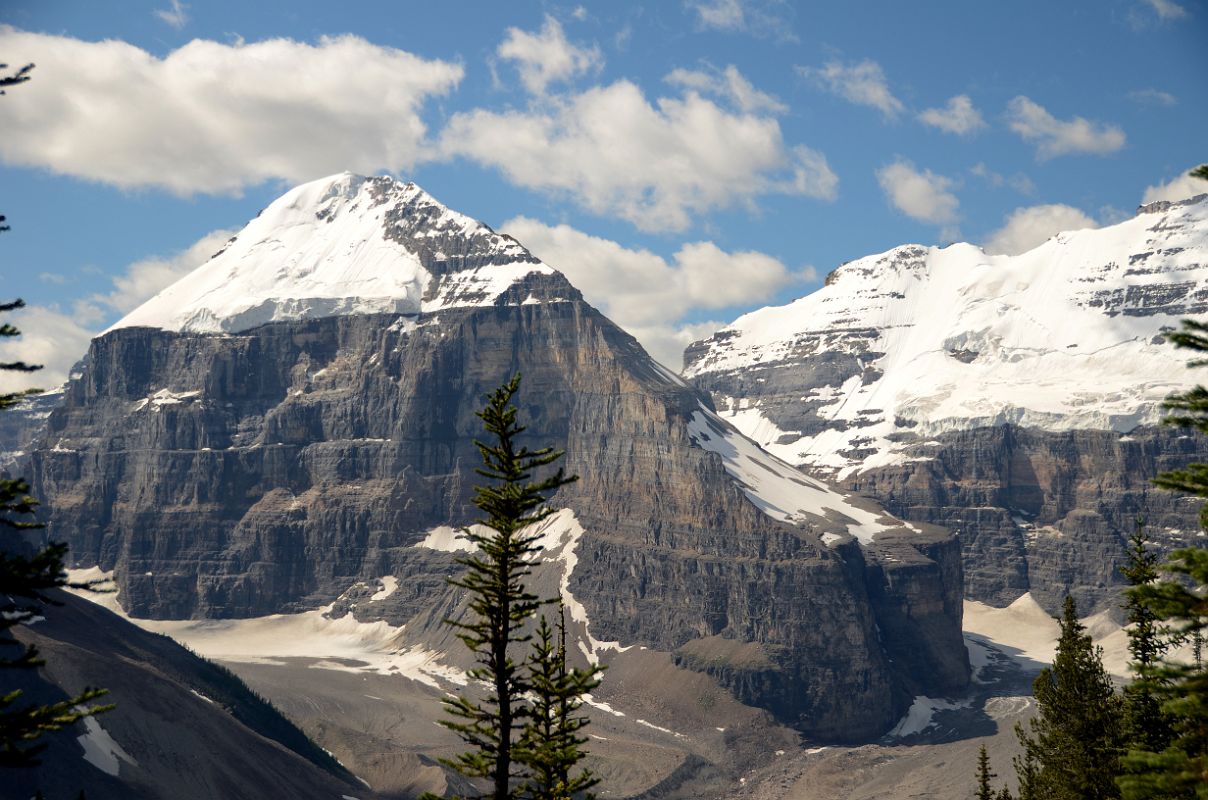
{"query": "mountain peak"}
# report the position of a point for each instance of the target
(344, 244)
(920, 341)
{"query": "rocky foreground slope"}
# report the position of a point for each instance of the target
(183, 727)
(1014, 400)
(290, 427)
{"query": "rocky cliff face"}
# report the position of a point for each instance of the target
(1014, 400)
(222, 470)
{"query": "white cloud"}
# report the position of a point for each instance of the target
(1179, 187)
(1054, 137)
(612, 151)
(729, 84)
(1167, 9)
(768, 18)
(1018, 181)
(50, 338)
(922, 196)
(1028, 227)
(174, 16)
(959, 116)
(547, 57)
(213, 117)
(1153, 97)
(725, 15)
(580, 13)
(146, 278)
(863, 84)
(647, 294)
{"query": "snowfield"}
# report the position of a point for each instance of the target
(322, 250)
(1065, 336)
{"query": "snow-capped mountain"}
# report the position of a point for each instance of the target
(290, 428)
(345, 244)
(1012, 399)
(918, 341)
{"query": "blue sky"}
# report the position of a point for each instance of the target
(682, 162)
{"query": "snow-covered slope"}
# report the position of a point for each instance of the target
(346, 244)
(918, 341)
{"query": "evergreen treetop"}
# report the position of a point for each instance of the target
(1072, 747)
(500, 604)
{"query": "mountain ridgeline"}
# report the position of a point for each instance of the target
(295, 418)
(1015, 400)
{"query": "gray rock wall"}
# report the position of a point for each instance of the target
(271, 470)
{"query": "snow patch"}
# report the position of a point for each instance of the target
(202, 696)
(780, 490)
(559, 537)
(343, 644)
(389, 586)
(447, 540)
(100, 750)
(920, 716)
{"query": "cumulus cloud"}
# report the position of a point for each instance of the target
(1167, 9)
(215, 118)
(728, 84)
(612, 151)
(922, 196)
(146, 278)
(1054, 137)
(57, 339)
(1026, 228)
(49, 337)
(547, 56)
(648, 294)
(863, 84)
(1179, 187)
(958, 116)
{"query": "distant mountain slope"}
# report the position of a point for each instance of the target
(292, 422)
(183, 727)
(1013, 399)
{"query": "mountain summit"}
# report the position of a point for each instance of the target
(346, 244)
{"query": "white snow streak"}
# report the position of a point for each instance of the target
(782, 491)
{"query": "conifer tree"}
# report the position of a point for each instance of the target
(984, 792)
(1180, 770)
(1147, 727)
(1076, 738)
(551, 744)
(500, 605)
